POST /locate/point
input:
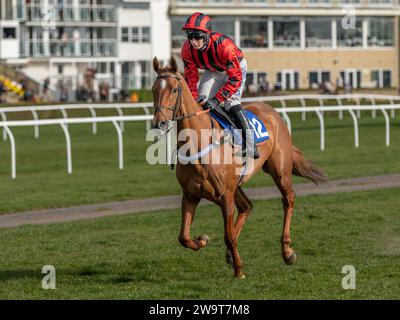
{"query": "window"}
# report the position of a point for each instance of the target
(348, 35)
(387, 79)
(317, 2)
(287, 79)
(178, 35)
(318, 32)
(375, 79)
(7, 14)
(351, 78)
(380, 32)
(256, 81)
(224, 25)
(20, 9)
(9, 33)
(145, 74)
(125, 35)
(325, 76)
(146, 34)
(287, 33)
(318, 77)
(102, 67)
(254, 33)
(135, 34)
(381, 78)
(380, 2)
(287, 1)
(249, 78)
(313, 80)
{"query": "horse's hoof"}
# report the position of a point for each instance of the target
(203, 239)
(241, 275)
(291, 260)
(228, 258)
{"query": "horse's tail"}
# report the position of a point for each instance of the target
(305, 168)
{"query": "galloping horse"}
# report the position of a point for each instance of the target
(220, 183)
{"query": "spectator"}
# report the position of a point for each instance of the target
(263, 86)
(104, 91)
(348, 88)
(63, 92)
(123, 95)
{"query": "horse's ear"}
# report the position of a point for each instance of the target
(156, 64)
(174, 65)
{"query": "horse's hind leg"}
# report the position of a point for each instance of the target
(279, 166)
(189, 204)
(231, 241)
(244, 207)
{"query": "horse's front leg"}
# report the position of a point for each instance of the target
(189, 204)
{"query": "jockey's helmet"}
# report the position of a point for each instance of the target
(198, 21)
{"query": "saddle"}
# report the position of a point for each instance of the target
(229, 126)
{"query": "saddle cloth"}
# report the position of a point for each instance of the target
(260, 131)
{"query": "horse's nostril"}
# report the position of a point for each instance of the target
(161, 124)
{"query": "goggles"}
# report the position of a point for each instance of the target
(195, 34)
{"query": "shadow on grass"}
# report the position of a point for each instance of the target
(20, 274)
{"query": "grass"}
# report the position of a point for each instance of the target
(138, 256)
(42, 180)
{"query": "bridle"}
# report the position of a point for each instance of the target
(175, 108)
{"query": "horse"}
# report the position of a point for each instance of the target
(220, 183)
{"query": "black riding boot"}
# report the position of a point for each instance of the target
(248, 148)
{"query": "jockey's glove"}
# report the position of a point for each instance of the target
(201, 99)
(211, 104)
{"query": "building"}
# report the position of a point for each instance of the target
(297, 44)
(66, 41)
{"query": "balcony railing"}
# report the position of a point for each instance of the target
(100, 13)
(71, 48)
(382, 4)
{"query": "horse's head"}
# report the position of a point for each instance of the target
(167, 92)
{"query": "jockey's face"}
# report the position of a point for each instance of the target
(197, 43)
(196, 38)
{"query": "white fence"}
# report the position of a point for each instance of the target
(64, 108)
(340, 100)
(119, 120)
(64, 125)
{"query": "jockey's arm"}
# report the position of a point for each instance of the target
(191, 73)
(234, 73)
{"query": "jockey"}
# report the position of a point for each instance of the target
(225, 73)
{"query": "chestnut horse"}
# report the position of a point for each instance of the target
(220, 183)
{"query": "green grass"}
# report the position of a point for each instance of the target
(138, 256)
(42, 180)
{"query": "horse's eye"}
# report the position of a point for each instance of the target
(174, 90)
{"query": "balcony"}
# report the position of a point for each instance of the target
(93, 14)
(71, 48)
(379, 4)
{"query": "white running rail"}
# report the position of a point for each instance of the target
(118, 120)
(64, 108)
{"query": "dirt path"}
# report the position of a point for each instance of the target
(173, 202)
